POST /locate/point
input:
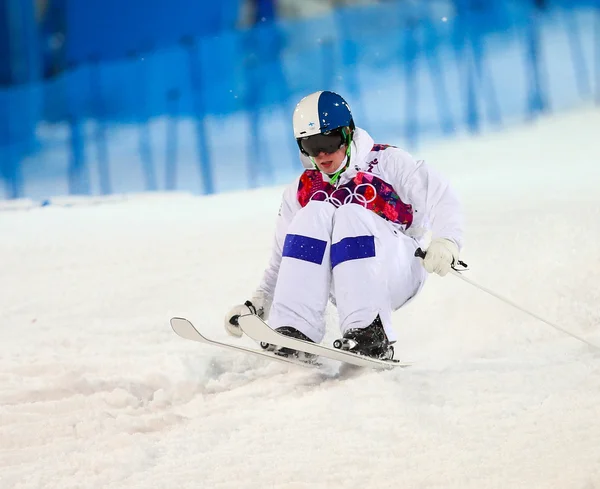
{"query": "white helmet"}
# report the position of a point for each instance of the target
(320, 113)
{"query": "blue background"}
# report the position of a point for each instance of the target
(152, 95)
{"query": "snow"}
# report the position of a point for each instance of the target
(97, 392)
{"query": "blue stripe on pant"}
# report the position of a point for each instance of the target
(353, 248)
(304, 248)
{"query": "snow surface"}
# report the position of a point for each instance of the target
(97, 392)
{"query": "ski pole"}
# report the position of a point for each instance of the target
(458, 273)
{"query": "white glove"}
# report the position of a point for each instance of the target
(440, 256)
(259, 305)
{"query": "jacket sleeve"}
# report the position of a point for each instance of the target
(436, 205)
(289, 207)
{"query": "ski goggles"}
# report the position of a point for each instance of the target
(328, 143)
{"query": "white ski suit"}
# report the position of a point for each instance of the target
(354, 242)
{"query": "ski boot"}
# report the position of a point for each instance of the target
(289, 352)
(370, 341)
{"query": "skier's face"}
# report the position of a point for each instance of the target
(330, 162)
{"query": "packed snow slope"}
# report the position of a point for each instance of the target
(97, 392)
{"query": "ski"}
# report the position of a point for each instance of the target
(184, 328)
(260, 331)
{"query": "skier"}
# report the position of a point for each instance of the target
(347, 231)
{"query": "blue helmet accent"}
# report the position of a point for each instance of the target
(334, 112)
(321, 112)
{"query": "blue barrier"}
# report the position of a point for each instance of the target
(597, 53)
(212, 114)
(108, 29)
(172, 142)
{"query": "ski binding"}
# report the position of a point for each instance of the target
(260, 331)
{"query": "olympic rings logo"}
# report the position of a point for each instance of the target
(351, 195)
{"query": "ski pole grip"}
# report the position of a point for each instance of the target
(419, 253)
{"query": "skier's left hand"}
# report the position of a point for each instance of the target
(259, 305)
(441, 255)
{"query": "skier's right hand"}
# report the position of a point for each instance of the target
(259, 305)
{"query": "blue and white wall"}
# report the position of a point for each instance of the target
(212, 113)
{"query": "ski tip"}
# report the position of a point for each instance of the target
(183, 327)
(177, 318)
